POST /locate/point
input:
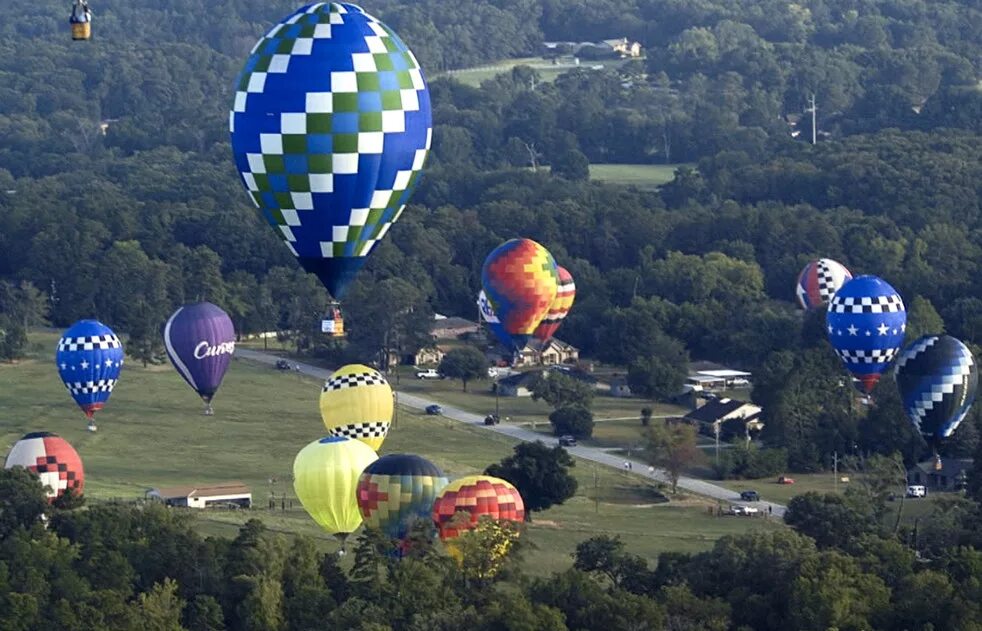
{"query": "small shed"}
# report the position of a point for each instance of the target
(204, 496)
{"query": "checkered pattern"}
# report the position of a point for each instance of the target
(372, 378)
(393, 502)
(478, 495)
(91, 387)
(873, 356)
(89, 343)
(54, 461)
(867, 304)
(521, 280)
(370, 429)
(819, 281)
(560, 307)
(330, 127)
(938, 380)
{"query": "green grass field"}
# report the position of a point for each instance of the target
(770, 490)
(152, 433)
(643, 176)
(546, 70)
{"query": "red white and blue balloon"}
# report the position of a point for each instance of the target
(818, 282)
(89, 359)
(866, 324)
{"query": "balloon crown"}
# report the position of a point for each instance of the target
(333, 439)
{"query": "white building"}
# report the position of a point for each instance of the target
(203, 496)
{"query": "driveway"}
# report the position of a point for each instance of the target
(593, 454)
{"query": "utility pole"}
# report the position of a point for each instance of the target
(716, 430)
(835, 470)
(813, 110)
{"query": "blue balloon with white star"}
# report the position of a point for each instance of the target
(866, 324)
(89, 359)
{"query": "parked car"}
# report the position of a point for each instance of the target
(491, 419)
(434, 409)
(429, 373)
(785, 480)
(916, 490)
(743, 510)
(567, 441)
(282, 364)
(739, 382)
(750, 496)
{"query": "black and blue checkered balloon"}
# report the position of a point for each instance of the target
(938, 379)
(866, 325)
(330, 128)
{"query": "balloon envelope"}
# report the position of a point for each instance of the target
(330, 127)
(89, 359)
(52, 458)
(357, 402)
(866, 324)
(818, 282)
(325, 477)
(520, 279)
(489, 317)
(397, 490)
(560, 307)
(200, 341)
(938, 380)
(477, 495)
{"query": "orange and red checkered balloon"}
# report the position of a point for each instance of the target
(560, 307)
(478, 495)
(520, 279)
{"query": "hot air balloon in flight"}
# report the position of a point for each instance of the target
(200, 341)
(478, 495)
(938, 379)
(866, 324)
(54, 461)
(330, 127)
(494, 324)
(357, 402)
(520, 279)
(396, 491)
(89, 359)
(560, 307)
(818, 282)
(325, 477)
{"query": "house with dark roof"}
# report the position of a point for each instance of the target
(517, 385)
(452, 328)
(952, 476)
(712, 416)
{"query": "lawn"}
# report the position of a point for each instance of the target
(643, 176)
(152, 433)
(770, 490)
(546, 70)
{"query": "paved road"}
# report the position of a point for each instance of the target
(593, 454)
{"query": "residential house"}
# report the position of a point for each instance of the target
(619, 388)
(517, 385)
(452, 328)
(551, 353)
(204, 495)
(711, 415)
(429, 356)
(623, 47)
(952, 476)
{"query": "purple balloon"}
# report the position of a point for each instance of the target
(200, 340)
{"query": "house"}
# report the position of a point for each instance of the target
(429, 356)
(203, 496)
(952, 476)
(711, 415)
(623, 47)
(517, 385)
(619, 388)
(451, 328)
(553, 352)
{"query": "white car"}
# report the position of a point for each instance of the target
(916, 490)
(739, 382)
(743, 510)
(429, 373)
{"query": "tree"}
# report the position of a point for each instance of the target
(922, 319)
(645, 416)
(657, 377)
(833, 521)
(572, 165)
(672, 447)
(464, 363)
(204, 614)
(541, 475)
(13, 338)
(559, 390)
(574, 420)
(22, 500)
(605, 555)
(160, 608)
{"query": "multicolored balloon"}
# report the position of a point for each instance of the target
(866, 324)
(520, 279)
(818, 282)
(89, 359)
(200, 341)
(330, 128)
(397, 490)
(52, 458)
(325, 477)
(478, 495)
(560, 307)
(489, 317)
(357, 402)
(938, 379)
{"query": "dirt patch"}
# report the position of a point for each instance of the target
(548, 523)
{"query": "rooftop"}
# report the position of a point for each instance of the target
(203, 490)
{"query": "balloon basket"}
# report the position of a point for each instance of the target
(92, 427)
(209, 411)
(937, 463)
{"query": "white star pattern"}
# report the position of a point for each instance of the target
(868, 332)
(852, 329)
(883, 329)
(839, 332)
(830, 328)
(64, 365)
(84, 364)
(109, 363)
(903, 327)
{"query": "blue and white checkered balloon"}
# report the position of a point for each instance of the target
(938, 378)
(330, 127)
(89, 359)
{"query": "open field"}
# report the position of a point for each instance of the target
(547, 70)
(643, 176)
(770, 490)
(152, 433)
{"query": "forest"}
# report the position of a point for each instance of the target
(119, 199)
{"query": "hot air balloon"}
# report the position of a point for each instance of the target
(357, 402)
(325, 477)
(52, 458)
(200, 340)
(330, 127)
(494, 324)
(89, 359)
(866, 324)
(520, 279)
(560, 307)
(938, 379)
(397, 490)
(818, 282)
(478, 495)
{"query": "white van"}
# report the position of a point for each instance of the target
(916, 490)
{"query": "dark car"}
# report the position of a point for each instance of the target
(434, 409)
(491, 419)
(567, 441)
(750, 496)
(282, 364)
